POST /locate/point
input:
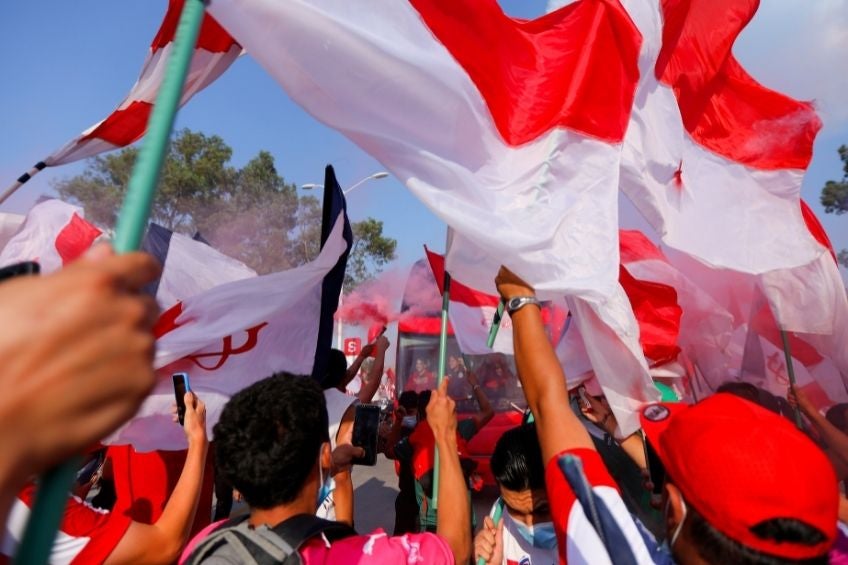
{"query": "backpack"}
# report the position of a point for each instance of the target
(237, 541)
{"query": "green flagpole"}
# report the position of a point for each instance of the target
(443, 358)
(496, 323)
(52, 494)
(790, 368)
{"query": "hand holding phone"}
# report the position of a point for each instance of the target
(181, 387)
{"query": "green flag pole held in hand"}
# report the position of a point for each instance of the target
(443, 358)
(790, 368)
(52, 494)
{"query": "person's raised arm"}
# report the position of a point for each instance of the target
(541, 374)
(600, 414)
(375, 374)
(453, 521)
(486, 413)
(162, 542)
(835, 439)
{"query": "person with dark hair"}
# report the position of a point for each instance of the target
(406, 507)
(273, 447)
(422, 379)
(742, 484)
(526, 530)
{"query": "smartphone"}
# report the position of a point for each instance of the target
(181, 387)
(366, 426)
(19, 269)
(656, 471)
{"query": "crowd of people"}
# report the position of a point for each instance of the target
(729, 479)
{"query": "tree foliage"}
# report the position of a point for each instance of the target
(250, 214)
(834, 195)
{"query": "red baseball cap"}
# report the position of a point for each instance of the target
(739, 464)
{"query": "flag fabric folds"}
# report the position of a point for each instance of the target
(497, 125)
(713, 159)
(237, 333)
(53, 234)
(214, 53)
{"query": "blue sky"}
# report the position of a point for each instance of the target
(67, 64)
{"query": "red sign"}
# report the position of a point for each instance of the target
(352, 346)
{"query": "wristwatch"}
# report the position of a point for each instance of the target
(518, 302)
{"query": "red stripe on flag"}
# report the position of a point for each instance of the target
(658, 313)
(212, 36)
(75, 238)
(635, 246)
(574, 68)
(458, 291)
(423, 325)
(123, 127)
(167, 321)
(723, 108)
(816, 229)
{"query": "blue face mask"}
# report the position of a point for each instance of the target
(409, 421)
(541, 535)
(327, 485)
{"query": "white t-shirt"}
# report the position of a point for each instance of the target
(518, 551)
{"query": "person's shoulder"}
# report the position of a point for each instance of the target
(379, 547)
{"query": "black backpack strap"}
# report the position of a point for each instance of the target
(301, 528)
(276, 545)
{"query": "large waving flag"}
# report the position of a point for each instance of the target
(214, 53)
(189, 265)
(52, 234)
(713, 159)
(510, 131)
(237, 333)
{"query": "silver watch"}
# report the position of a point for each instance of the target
(518, 302)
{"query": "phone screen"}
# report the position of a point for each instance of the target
(181, 387)
(366, 425)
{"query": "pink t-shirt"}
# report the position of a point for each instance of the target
(376, 547)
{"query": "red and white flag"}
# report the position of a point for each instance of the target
(471, 314)
(52, 234)
(510, 131)
(713, 159)
(237, 333)
(214, 53)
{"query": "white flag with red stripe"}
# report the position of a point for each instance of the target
(52, 234)
(214, 53)
(510, 131)
(471, 314)
(712, 159)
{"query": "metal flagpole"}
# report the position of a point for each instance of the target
(21, 180)
(790, 368)
(52, 494)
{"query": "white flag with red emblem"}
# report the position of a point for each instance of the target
(214, 53)
(510, 131)
(52, 234)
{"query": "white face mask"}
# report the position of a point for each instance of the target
(409, 421)
(679, 528)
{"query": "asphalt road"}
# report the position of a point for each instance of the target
(375, 489)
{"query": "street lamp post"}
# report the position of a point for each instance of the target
(311, 185)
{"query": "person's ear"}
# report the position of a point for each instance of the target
(326, 456)
(674, 512)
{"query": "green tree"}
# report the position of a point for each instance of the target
(834, 197)
(250, 214)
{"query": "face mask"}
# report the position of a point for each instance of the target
(679, 527)
(541, 535)
(327, 485)
(409, 421)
